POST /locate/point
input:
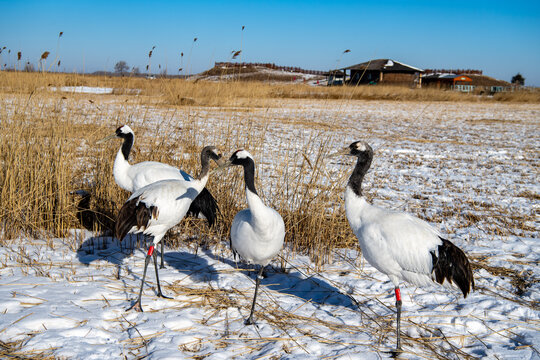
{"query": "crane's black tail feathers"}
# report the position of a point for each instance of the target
(235, 254)
(133, 214)
(206, 205)
(452, 264)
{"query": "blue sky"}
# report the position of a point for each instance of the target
(499, 37)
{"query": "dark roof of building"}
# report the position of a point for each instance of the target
(336, 73)
(385, 65)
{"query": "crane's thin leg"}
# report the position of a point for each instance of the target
(398, 307)
(120, 264)
(160, 294)
(162, 266)
(137, 305)
(118, 272)
(249, 320)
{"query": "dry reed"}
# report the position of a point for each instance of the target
(257, 90)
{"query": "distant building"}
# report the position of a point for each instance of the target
(379, 71)
(464, 81)
(334, 77)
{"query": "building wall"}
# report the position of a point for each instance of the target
(375, 77)
(398, 79)
(437, 83)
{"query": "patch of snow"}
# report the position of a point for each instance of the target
(93, 90)
(84, 89)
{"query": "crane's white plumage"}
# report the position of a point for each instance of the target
(155, 208)
(172, 199)
(257, 233)
(398, 244)
(133, 177)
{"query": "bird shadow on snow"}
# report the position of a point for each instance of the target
(193, 265)
(106, 248)
(311, 288)
(111, 250)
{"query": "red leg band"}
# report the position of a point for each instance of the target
(398, 294)
(150, 250)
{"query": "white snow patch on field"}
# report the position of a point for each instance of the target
(93, 90)
(72, 302)
(84, 89)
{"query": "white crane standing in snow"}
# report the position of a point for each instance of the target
(257, 233)
(398, 244)
(133, 177)
(155, 208)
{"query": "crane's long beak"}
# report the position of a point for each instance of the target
(106, 138)
(344, 151)
(222, 164)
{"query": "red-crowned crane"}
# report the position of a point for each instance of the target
(155, 208)
(133, 177)
(398, 244)
(257, 233)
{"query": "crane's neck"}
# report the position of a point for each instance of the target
(127, 145)
(200, 181)
(205, 167)
(259, 210)
(121, 164)
(249, 176)
(356, 208)
(357, 176)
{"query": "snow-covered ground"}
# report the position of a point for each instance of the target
(470, 169)
(98, 90)
(84, 89)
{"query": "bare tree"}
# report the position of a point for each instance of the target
(121, 67)
(518, 79)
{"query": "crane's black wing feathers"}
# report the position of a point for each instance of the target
(206, 205)
(451, 264)
(133, 213)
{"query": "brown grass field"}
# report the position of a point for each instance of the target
(48, 149)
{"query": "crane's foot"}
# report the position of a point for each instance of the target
(249, 321)
(136, 306)
(394, 354)
(160, 294)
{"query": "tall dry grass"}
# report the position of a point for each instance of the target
(55, 178)
(256, 93)
(253, 93)
(36, 150)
